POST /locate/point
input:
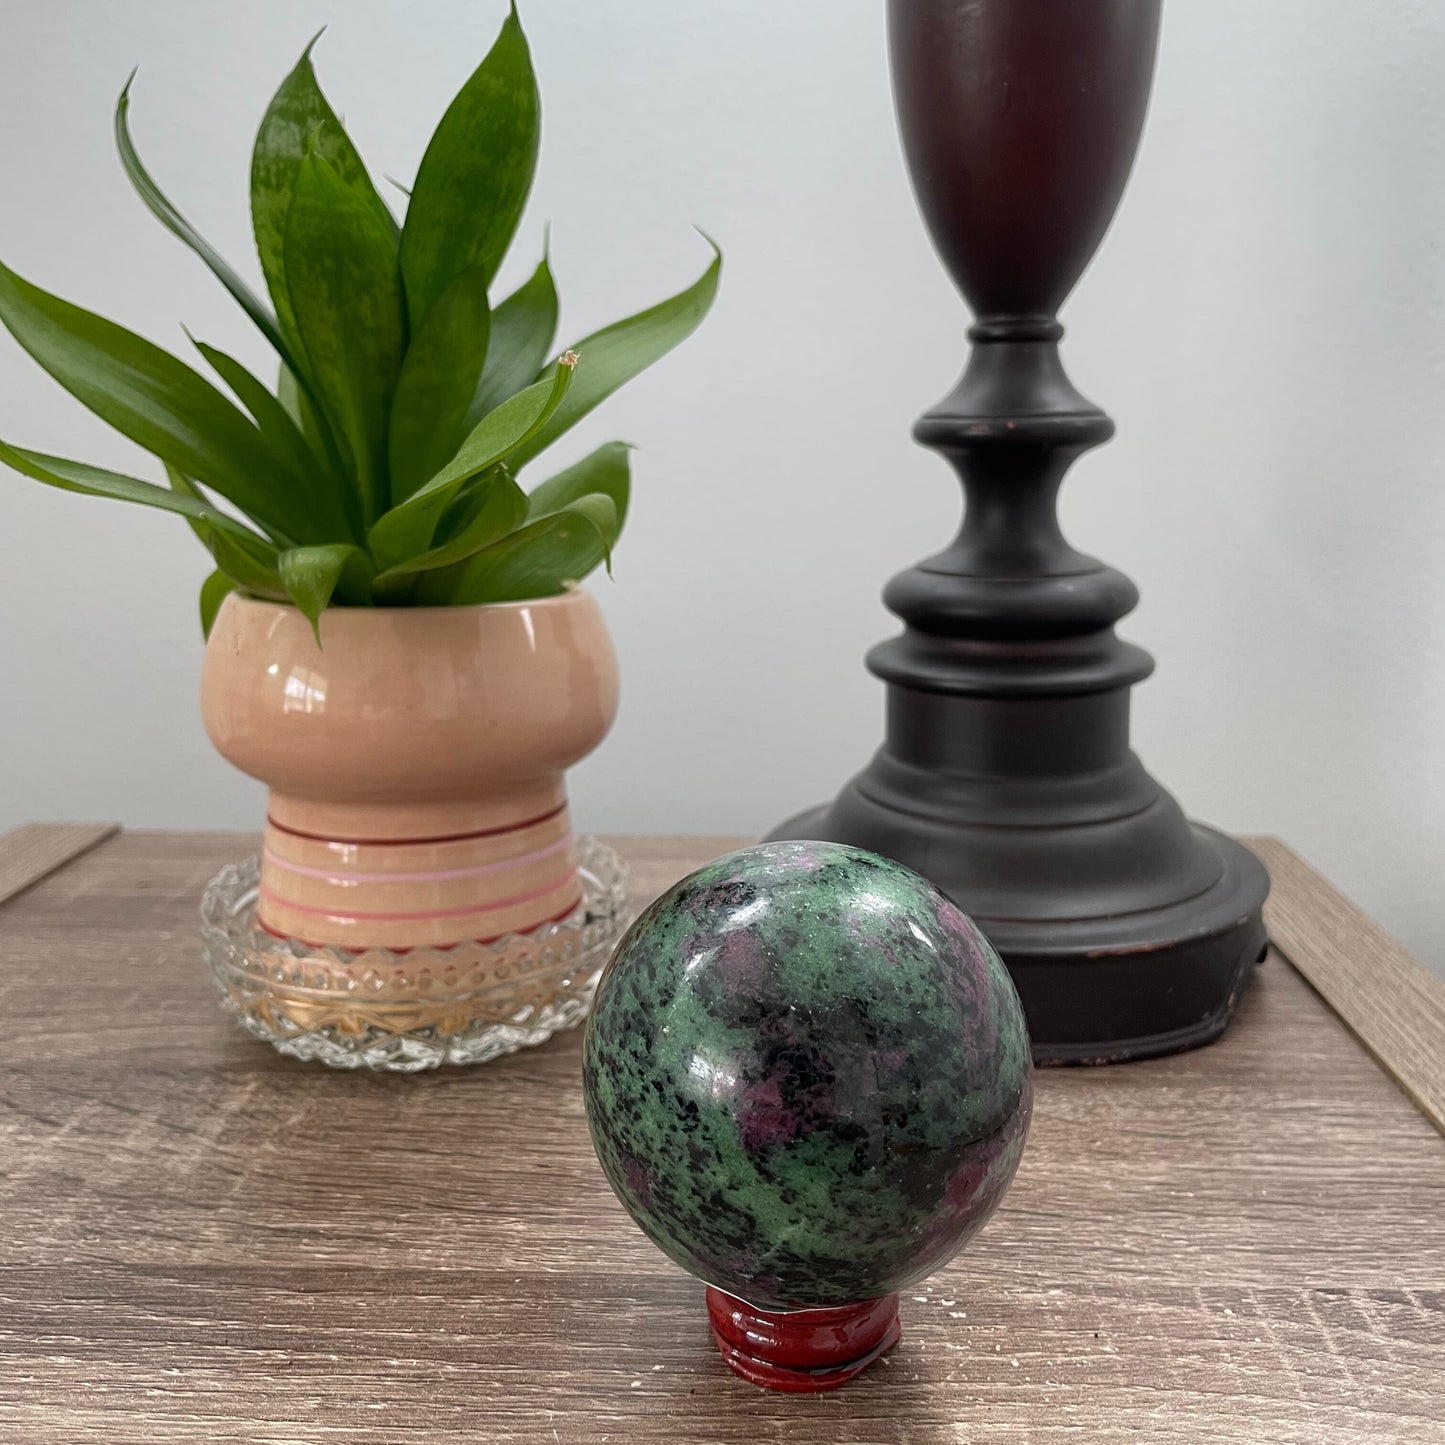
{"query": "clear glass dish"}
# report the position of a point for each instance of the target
(419, 1009)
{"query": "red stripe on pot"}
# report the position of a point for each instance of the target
(410, 842)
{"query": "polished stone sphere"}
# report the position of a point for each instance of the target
(807, 1075)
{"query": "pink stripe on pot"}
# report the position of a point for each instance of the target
(272, 897)
(445, 875)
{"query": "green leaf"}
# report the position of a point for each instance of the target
(474, 179)
(214, 591)
(602, 513)
(161, 208)
(608, 470)
(438, 381)
(524, 328)
(541, 559)
(618, 353)
(326, 495)
(346, 293)
(410, 527)
(312, 575)
(253, 565)
(91, 481)
(298, 118)
(183, 486)
(158, 402)
(293, 395)
(251, 562)
(496, 506)
(301, 407)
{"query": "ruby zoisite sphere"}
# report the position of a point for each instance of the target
(807, 1076)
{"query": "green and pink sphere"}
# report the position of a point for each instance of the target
(807, 1076)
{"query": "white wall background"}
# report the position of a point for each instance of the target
(1266, 322)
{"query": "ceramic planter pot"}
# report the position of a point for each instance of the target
(415, 762)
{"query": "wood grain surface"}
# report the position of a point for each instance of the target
(1387, 997)
(28, 854)
(202, 1241)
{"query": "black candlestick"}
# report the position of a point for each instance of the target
(1006, 776)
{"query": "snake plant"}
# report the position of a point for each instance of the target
(383, 468)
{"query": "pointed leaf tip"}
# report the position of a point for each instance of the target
(548, 556)
(312, 576)
(605, 471)
(717, 249)
(474, 179)
(621, 351)
(297, 108)
(160, 206)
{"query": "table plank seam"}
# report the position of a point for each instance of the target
(36, 851)
(1382, 994)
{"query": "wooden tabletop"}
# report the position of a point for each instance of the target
(203, 1241)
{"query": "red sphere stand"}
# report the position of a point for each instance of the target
(801, 1351)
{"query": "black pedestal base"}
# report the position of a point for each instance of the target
(1097, 990)
(1005, 774)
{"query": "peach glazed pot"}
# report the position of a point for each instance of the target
(415, 762)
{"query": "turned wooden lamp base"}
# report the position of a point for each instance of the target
(1099, 989)
(801, 1351)
(1006, 776)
